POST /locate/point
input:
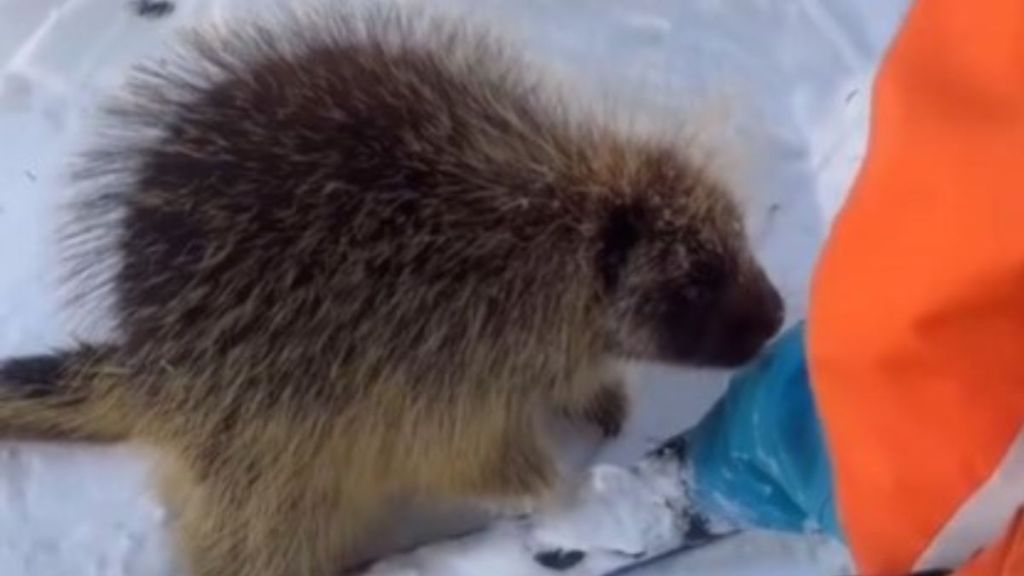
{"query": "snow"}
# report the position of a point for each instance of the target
(793, 77)
(623, 520)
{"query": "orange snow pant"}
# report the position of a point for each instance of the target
(916, 326)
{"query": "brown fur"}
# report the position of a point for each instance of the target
(359, 260)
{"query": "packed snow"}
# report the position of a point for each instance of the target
(794, 80)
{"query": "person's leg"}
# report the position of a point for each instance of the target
(916, 321)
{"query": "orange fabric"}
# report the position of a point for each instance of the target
(1006, 559)
(916, 327)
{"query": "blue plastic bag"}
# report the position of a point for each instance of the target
(758, 457)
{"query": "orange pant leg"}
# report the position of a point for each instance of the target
(916, 327)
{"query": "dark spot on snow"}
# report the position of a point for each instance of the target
(674, 447)
(153, 9)
(699, 530)
(30, 175)
(851, 95)
(559, 559)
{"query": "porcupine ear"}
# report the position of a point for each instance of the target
(620, 234)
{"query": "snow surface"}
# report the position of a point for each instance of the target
(794, 75)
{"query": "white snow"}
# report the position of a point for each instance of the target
(794, 74)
